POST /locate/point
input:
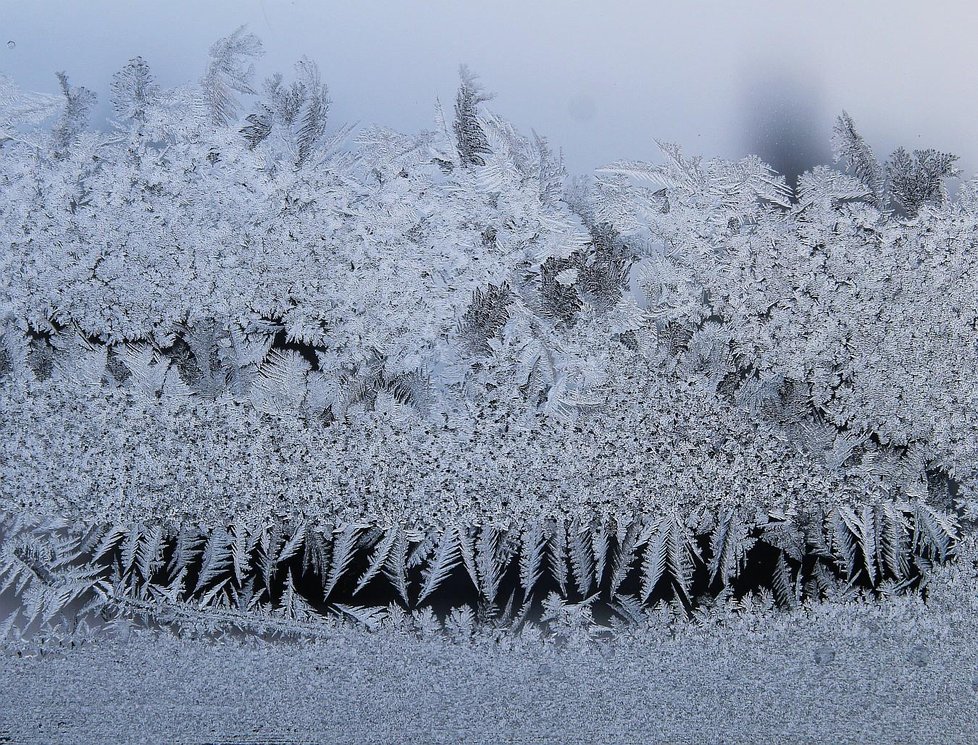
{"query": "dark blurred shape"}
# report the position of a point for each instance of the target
(784, 122)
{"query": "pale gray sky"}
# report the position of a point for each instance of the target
(601, 79)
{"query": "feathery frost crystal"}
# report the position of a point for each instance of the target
(259, 373)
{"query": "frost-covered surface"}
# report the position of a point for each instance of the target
(874, 316)
(117, 457)
(851, 671)
(250, 366)
(114, 505)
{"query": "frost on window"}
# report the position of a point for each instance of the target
(262, 371)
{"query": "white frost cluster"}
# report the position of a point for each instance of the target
(227, 331)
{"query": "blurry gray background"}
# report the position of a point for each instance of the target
(601, 79)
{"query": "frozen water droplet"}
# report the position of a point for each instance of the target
(11, 44)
